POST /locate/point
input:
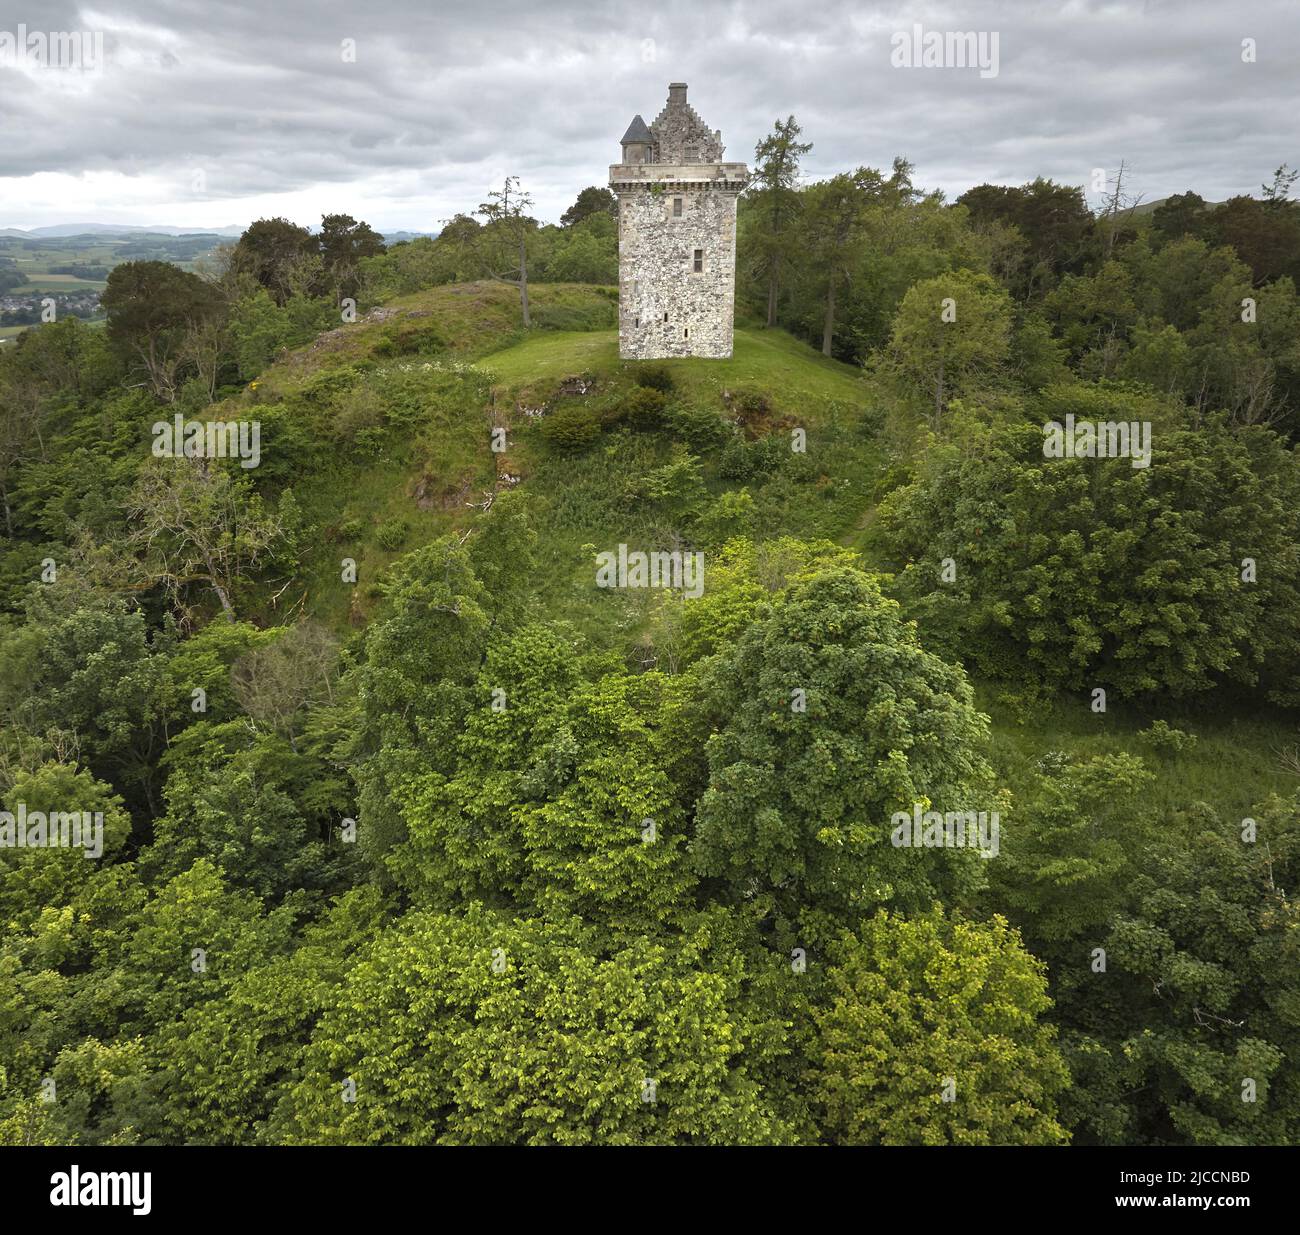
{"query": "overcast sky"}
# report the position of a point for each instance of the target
(215, 112)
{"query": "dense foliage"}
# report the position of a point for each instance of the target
(412, 833)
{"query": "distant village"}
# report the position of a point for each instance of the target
(26, 309)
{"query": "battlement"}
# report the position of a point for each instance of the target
(627, 177)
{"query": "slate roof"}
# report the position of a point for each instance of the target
(637, 131)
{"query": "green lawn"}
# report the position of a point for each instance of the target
(797, 379)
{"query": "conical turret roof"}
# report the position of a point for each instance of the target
(637, 131)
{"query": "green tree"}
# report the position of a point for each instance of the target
(502, 244)
(479, 1030)
(154, 309)
(344, 243)
(931, 1035)
(282, 256)
(951, 335)
(776, 175)
(829, 717)
(594, 200)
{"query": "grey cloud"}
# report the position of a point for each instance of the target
(450, 96)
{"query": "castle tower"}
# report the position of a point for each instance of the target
(676, 236)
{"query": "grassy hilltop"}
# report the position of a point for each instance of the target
(412, 391)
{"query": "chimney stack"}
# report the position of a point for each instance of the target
(677, 92)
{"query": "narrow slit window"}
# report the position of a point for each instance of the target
(677, 207)
(686, 332)
(699, 261)
(665, 315)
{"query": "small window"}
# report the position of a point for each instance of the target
(699, 261)
(677, 207)
(686, 332)
(665, 315)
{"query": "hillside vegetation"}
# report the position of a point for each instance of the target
(418, 828)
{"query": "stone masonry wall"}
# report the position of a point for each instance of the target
(657, 276)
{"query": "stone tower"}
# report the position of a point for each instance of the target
(676, 236)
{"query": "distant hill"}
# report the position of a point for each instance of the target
(1148, 207)
(402, 237)
(62, 230)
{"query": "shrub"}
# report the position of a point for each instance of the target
(1166, 741)
(356, 410)
(411, 338)
(571, 428)
(392, 533)
(643, 408)
(699, 427)
(653, 377)
(744, 460)
(750, 403)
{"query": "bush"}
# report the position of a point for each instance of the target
(750, 403)
(745, 460)
(1166, 741)
(653, 377)
(571, 428)
(411, 338)
(392, 533)
(699, 427)
(643, 408)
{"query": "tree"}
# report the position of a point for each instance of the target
(344, 243)
(279, 254)
(1279, 191)
(259, 810)
(1182, 214)
(476, 1029)
(1188, 1034)
(546, 811)
(1265, 234)
(586, 252)
(931, 1036)
(83, 673)
(502, 245)
(1074, 844)
(277, 682)
(829, 717)
(1114, 219)
(776, 173)
(832, 214)
(594, 200)
(1085, 572)
(197, 524)
(951, 334)
(1053, 218)
(154, 311)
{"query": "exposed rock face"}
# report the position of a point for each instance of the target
(676, 236)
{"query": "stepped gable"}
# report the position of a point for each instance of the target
(681, 134)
